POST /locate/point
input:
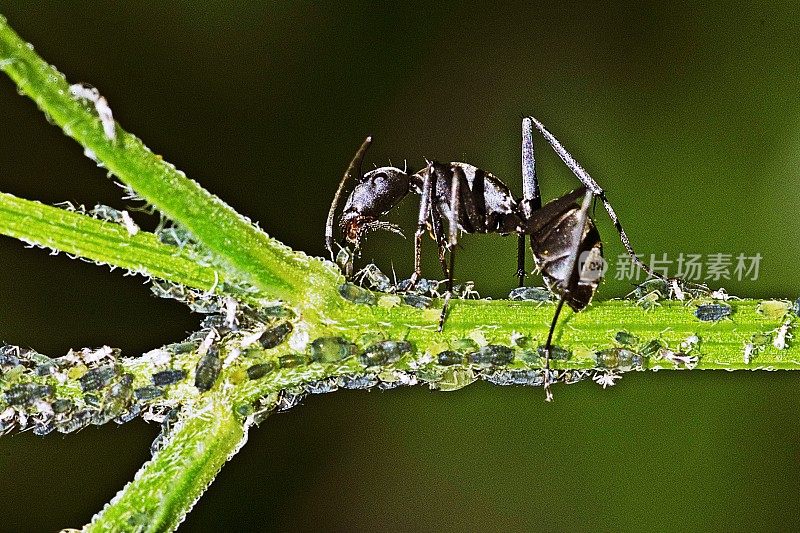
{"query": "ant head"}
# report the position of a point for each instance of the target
(376, 193)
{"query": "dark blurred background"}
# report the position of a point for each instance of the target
(687, 115)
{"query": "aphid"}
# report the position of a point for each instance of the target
(652, 348)
(291, 360)
(449, 357)
(356, 294)
(417, 300)
(275, 336)
(133, 411)
(27, 393)
(98, 378)
(78, 420)
(356, 381)
(491, 355)
(8, 420)
(62, 406)
(167, 377)
(384, 353)
(533, 294)
(618, 359)
(148, 393)
(208, 369)
(713, 312)
(625, 338)
(44, 427)
(116, 400)
(331, 350)
(85, 91)
(260, 370)
(372, 278)
(322, 386)
(289, 399)
(556, 353)
(773, 309)
(565, 243)
(455, 378)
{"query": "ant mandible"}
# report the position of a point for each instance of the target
(566, 245)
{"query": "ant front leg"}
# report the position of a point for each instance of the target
(422, 221)
(531, 197)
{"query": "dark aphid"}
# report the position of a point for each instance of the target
(47, 369)
(8, 357)
(322, 386)
(535, 294)
(289, 399)
(148, 393)
(116, 400)
(182, 347)
(27, 393)
(78, 420)
(531, 378)
(62, 406)
(292, 360)
(556, 352)
(372, 278)
(43, 428)
(207, 370)
(618, 359)
(260, 370)
(449, 357)
(356, 294)
(98, 378)
(275, 336)
(356, 381)
(133, 411)
(627, 339)
(713, 312)
(167, 377)
(92, 400)
(491, 355)
(417, 300)
(384, 352)
(331, 350)
(217, 322)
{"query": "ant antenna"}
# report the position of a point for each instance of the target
(355, 164)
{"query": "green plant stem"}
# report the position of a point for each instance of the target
(249, 253)
(167, 486)
(100, 241)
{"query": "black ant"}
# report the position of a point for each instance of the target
(565, 243)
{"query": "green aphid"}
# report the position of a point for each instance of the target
(356, 294)
(292, 360)
(618, 359)
(331, 350)
(465, 345)
(260, 370)
(652, 348)
(773, 309)
(455, 378)
(626, 339)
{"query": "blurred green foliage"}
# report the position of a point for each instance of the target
(687, 114)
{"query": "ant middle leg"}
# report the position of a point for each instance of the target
(457, 177)
(531, 197)
(425, 204)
